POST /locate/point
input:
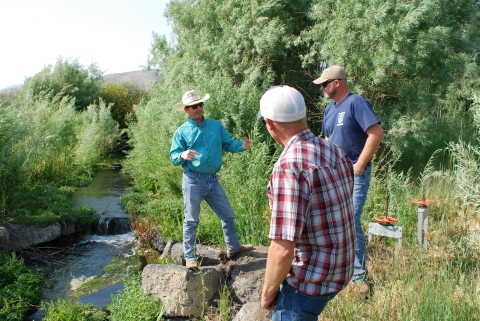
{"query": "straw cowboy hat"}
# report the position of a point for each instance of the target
(190, 98)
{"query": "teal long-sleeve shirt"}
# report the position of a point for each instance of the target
(208, 140)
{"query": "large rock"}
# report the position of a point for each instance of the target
(167, 249)
(68, 229)
(252, 311)
(183, 292)
(23, 236)
(207, 255)
(4, 240)
(248, 275)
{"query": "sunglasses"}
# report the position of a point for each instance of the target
(324, 85)
(194, 107)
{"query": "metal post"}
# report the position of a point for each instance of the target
(422, 226)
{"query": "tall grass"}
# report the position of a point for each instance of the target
(45, 144)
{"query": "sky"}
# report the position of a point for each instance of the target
(115, 34)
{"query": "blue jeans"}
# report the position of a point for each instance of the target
(360, 190)
(196, 188)
(293, 305)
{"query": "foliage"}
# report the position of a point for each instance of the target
(133, 304)
(45, 143)
(97, 136)
(411, 286)
(144, 232)
(20, 287)
(46, 204)
(224, 303)
(234, 51)
(71, 310)
(67, 78)
(122, 97)
(463, 170)
(410, 59)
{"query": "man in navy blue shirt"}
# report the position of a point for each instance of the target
(350, 122)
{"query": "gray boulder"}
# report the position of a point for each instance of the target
(183, 292)
(68, 229)
(207, 255)
(23, 236)
(4, 240)
(253, 311)
(248, 275)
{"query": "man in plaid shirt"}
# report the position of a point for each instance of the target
(311, 255)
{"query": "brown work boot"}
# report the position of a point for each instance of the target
(243, 248)
(191, 265)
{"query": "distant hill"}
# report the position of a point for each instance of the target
(142, 78)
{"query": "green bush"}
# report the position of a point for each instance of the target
(122, 97)
(20, 288)
(67, 78)
(133, 304)
(44, 144)
(72, 310)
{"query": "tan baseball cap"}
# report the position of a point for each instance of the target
(333, 72)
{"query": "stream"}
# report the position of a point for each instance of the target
(77, 262)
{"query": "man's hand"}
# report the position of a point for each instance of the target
(358, 169)
(188, 154)
(246, 143)
(267, 304)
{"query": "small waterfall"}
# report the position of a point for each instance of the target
(113, 226)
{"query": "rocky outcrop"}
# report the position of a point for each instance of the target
(252, 311)
(207, 255)
(23, 236)
(4, 240)
(185, 293)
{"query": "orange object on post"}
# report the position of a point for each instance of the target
(423, 202)
(385, 219)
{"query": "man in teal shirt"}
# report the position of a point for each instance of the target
(197, 146)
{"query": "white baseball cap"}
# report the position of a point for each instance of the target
(283, 104)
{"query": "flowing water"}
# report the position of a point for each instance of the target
(77, 262)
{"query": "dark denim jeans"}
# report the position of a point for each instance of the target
(293, 305)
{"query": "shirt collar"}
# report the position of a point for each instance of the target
(191, 121)
(303, 135)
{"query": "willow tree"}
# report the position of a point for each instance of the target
(412, 59)
(409, 58)
(233, 50)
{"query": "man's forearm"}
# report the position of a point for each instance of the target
(279, 262)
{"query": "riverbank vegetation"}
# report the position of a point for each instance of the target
(20, 287)
(417, 62)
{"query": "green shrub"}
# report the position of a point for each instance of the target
(133, 304)
(43, 144)
(67, 78)
(72, 310)
(123, 97)
(20, 288)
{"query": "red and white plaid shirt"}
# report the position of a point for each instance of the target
(310, 196)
